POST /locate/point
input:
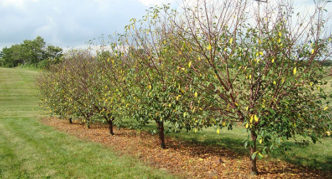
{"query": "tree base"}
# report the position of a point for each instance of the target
(254, 173)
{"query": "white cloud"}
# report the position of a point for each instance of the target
(16, 3)
(155, 2)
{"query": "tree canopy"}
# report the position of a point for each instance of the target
(30, 52)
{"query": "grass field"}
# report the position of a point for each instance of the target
(28, 149)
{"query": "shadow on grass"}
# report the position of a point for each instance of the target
(296, 154)
(299, 154)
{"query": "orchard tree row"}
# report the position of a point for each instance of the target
(215, 63)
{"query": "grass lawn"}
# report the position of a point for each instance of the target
(29, 149)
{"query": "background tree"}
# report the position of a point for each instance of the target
(31, 52)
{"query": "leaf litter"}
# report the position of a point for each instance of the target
(183, 159)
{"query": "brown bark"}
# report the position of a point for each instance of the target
(110, 126)
(161, 133)
(254, 169)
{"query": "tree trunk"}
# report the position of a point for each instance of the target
(254, 170)
(161, 133)
(70, 120)
(110, 126)
(88, 123)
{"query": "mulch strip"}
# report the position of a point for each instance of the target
(183, 159)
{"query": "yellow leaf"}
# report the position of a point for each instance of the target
(294, 70)
(169, 105)
(209, 47)
(249, 77)
(312, 51)
(247, 125)
(195, 130)
(256, 118)
(218, 131)
(272, 60)
(149, 86)
(224, 123)
(280, 34)
(261, 53)
(311, 83)
(259, 41)
(279, 40)
(326, 108)
(247, 108)
(260, 141)
(108, 59)
(231, 40)
(199, 59)
(196, 94)
(274, 82)
(189, 64)
(260, 155)
(251, 119)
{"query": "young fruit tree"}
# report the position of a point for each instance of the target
(262, 73)
(155, 88)
(109, 86)
(68, 87)
(54, 94)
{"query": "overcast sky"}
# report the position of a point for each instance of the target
(72, 23)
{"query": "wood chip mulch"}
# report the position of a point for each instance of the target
(183, 159)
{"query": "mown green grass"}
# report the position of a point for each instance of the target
(29, 149)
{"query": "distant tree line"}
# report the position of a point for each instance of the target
(30, 52)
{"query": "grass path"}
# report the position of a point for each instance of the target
(29, 149)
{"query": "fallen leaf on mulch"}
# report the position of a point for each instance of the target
(182, 158)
